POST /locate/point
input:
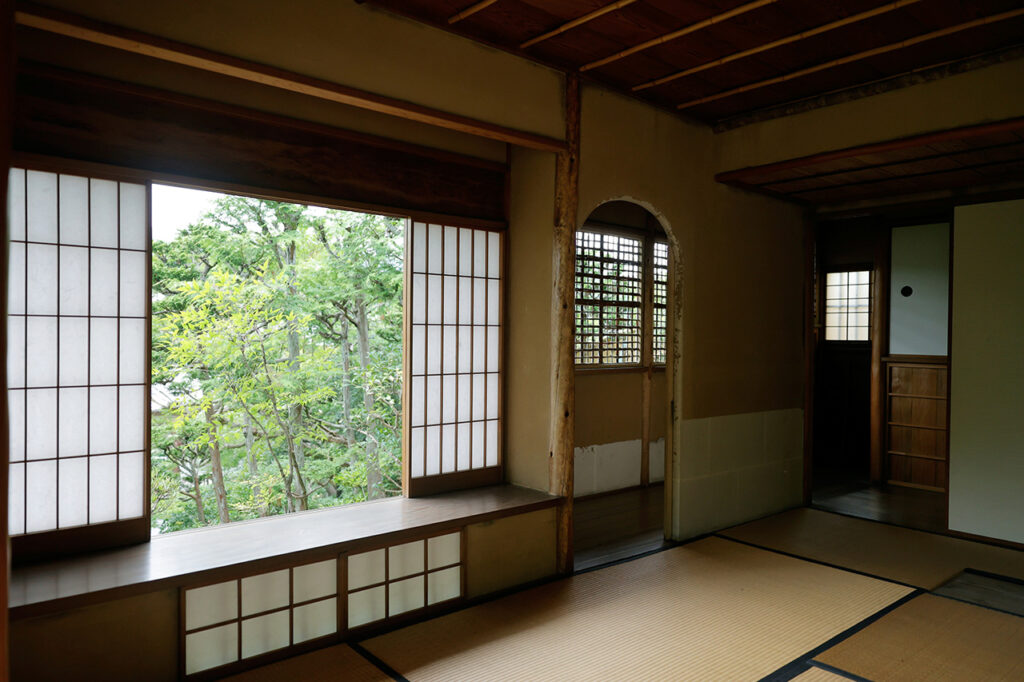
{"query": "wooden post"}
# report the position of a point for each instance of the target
(879, 348)
(6, 100)
(563, 388)
(647, 355)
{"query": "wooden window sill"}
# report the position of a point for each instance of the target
(190, 557)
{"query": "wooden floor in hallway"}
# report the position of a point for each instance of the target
(618, 525)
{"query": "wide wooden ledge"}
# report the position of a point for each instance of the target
(221, 552)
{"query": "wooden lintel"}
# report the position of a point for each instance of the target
(578, 21)
(82, 28)
(859, 56)
(746, 176)
(563, 389)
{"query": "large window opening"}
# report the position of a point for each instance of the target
(276, 357)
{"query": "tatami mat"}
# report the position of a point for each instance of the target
(335, 664)
(936, 639)
(923, 559)
(819, 675)
(713, 609)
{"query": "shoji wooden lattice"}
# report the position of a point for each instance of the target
(659, 268)
(609, 299)
(848, 306)
(454, 358)
(77, 360)
(245, 621)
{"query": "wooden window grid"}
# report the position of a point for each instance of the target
(609, 299)
(848, 305)
(454, 378)
(78, 361)
(659, 293)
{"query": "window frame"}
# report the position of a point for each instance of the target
(47, 545)
(823, 298)
(647, 240)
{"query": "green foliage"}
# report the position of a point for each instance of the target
(258, 312)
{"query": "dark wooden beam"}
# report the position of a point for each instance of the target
(803, 35)
(686, 30)
(579, 21)
(563, 388)
(859, 56)
(470, 11)
(82, 28)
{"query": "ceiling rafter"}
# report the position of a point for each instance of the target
(795, 37)
(579, 21)
(470, 11)
(686, 30)
(949, 30)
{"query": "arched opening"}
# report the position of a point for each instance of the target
(621, 349)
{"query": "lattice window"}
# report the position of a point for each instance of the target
(659, 272)
(609, 299)
(77, 358)
(848, 306)
(240, 619)
(400, 579)
(454, 391)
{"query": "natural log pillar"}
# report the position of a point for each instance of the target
(563, 380)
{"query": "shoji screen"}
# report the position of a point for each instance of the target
(454, 358)
(77, 361)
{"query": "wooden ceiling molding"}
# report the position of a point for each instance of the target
(934, 164)
(731, 62)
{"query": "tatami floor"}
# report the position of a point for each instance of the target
(804, 595)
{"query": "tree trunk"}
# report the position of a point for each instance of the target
(254, 472)
(373, 474)
(197, 495)
(346, 385)
(219, 491)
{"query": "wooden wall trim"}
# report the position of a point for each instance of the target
(563, 388)
(6, 99)
(71, 115)
(82, 28)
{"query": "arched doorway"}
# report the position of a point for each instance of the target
(620, 353)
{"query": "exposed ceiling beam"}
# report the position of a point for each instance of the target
(470, 11)
(949, 30)
(777, 43)
(81, 28)
(686, 30)
(579, 21)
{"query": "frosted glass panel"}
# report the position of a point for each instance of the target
(16, 203)
(131, 422)
(74, 280)
(73, 490)
(211, 604)
(103, 282)
(444, 550)
(133, 216)
(103, 212)
(42, 351)
(102, 420)
(365, 569)
(314, 580)
(405, 595)
(42, 279)
(318, 619)
(264, 592)
(444, 585)
(365, 606)
(265, 633)
(73, 439)
(74, 210)
(102, 489)
(134, 287)
(405, 559)
(211, 648)
(41, 489)
(42, 206)
(130, 486)
(41, 423)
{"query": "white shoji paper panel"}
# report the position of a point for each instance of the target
(366, 606)
(366, 569)
(264, 592)
(78, 287)
(318, 619)
(265, 633)
(211, 604)
(455, 372)
(444, 550)
(405, 595)
(405, 559)
(313, 581)
(211, 648)
(444, 585)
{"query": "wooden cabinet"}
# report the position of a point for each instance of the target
(917, 434)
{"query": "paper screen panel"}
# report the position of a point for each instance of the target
(455, 352)
(78, 291)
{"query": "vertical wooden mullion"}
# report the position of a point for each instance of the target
(486, 330)
(56, 464)
(440, 366)
(472, 344)
(407, 333)
(646, 355)
(502, 297)
(458, 324)
(117, 370)
(88, 354)
(147, 366)
(426, 338)
(341, 613)
(387, 576)
(426, 569)
(238, 622)
(24, 381)
(291, 606)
